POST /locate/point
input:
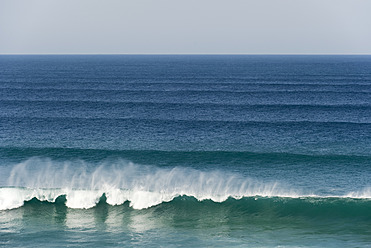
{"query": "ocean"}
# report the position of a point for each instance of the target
(185, 151)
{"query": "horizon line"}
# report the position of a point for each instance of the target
(261, 54)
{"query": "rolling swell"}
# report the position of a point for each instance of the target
(168, 157)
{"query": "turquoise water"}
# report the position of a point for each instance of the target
(215, 151)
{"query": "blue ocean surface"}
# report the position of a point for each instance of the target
(185, 151)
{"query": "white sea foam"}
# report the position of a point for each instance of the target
(15, 197)
(363, 193)
(120, 181)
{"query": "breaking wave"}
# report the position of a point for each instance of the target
(120, 181)
(83, 185)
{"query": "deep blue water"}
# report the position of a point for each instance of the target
(143, 151)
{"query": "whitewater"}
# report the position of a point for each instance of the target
(142, 186)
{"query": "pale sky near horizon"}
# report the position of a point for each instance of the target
(185, 27)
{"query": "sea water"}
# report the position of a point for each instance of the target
(185, 151)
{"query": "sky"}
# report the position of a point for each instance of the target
(185, 27)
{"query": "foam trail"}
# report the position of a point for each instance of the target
(364, 193)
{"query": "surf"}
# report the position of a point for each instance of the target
(83, 185)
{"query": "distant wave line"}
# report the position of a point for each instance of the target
(188, 120)
(192, 90)
(295, 105)
(286, 91)
(45, 151)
